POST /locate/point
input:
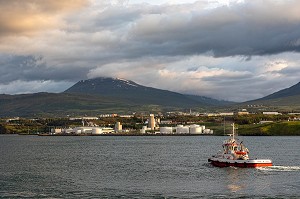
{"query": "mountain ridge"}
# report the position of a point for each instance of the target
(101, 95)
(287, 99)
(116, 87)
(287, 92)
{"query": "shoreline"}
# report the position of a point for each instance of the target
(128, 135)
(122, 134)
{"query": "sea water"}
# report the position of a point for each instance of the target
(143, 167)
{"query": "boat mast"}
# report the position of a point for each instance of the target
(224, 126)
(233, 130)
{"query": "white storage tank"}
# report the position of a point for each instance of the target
(180, 129)
(96, 131)
(166, 130)
(143, 130)
(195, 129)
(207, 131)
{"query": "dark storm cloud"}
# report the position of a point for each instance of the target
(30, 68)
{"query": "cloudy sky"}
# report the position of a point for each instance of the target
(226, 49)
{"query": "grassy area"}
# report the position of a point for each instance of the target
(276, 128)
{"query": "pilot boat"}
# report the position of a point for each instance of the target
(237, 155)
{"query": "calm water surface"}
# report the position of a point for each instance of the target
(143, 167)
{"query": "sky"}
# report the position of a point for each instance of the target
(234, 50)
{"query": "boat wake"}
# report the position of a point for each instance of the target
(279, 168)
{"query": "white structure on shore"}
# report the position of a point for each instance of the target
(92, 130)
(196, 129)
(180, 129)
(151, 123)
(83, 130)
(144, 129)
(118, 127)
(166, 130)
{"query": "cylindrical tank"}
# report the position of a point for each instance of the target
(195, 130)
(207, 131)
(166, 130)
(182, 129)
(96, 131)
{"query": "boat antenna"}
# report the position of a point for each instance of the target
(224, 126)
(233, 130)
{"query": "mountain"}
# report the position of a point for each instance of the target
(139, 94)
(98, 96)
(291, 91)
(286, 99)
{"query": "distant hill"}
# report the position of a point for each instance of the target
(210, 101)
(291, 91)
(56, 104)
(98, 96)
(286, 99)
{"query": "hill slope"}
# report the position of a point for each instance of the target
(56, 104)
(285, 100)
(291, 91)
(138, 94)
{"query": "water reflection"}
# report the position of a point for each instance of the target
(236, 179)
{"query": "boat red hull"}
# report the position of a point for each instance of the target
(237, 164)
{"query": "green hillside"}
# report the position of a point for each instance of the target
(57, 104)
(276, 128)
(291, 91)
(74, 104)
(284, 100)
(283, 104)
